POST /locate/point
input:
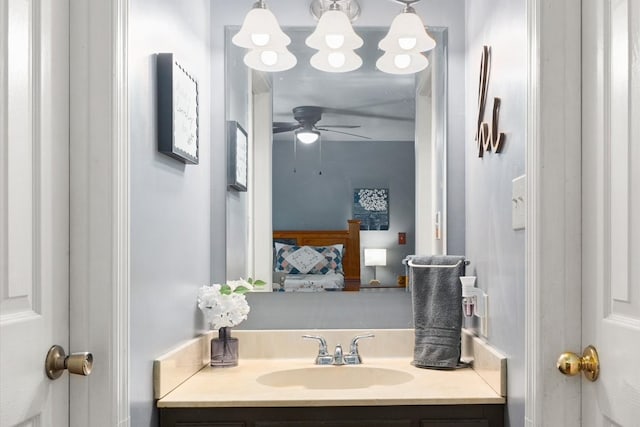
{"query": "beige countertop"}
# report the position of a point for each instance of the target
(242, 386)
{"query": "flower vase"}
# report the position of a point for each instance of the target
(224, 349)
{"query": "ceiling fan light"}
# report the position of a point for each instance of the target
(336, 61)
(392, 63)
(331, 23)
(271, 60)
(405, 27)
(260, 29)
(307, 136)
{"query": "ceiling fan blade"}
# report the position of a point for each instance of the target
(343, 133)
(284, 124)
(341, 126)
(380, 103)
(357, 113)
(280, 127)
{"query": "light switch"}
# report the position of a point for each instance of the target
(518, 202)
(402, 238)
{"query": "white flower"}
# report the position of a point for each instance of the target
(225, 305)
(373, 199)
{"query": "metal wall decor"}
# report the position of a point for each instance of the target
(177, 110)
(487, 136)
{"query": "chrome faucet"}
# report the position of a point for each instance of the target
(338, 358)
(353, 358)
(323, 358)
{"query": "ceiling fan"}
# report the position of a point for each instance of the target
(307, 118)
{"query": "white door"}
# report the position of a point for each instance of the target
(34, 208)
(611, 209)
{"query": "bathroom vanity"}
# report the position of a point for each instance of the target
(278, 384)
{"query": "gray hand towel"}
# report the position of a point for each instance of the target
(437, 311)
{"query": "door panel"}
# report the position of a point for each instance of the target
(34, 202)
(611, 208)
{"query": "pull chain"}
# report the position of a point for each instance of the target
(320, 150)
(295, 152)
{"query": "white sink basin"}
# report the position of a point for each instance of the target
(335, 377)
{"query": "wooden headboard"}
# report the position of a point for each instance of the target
(350, 238)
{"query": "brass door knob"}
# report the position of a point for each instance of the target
(589, 364)
(57, 361)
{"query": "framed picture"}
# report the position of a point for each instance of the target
(177, 110)
(237, 149)
(371, 207)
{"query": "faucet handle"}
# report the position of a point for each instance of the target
(322, 351)
(323, 358)
(353, 348)
(353, 358)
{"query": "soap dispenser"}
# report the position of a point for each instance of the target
(474, 302)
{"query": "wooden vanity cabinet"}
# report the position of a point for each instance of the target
(342, 416)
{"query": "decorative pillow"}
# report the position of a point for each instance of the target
(308, 259)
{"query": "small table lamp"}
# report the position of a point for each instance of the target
(374, 258)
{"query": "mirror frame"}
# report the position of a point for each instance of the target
(430, 142)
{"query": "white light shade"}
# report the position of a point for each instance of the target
(407, 34)
(307, 136)
(260, 29)
(334, 31)
(270, 59)
(402, 63)
(374, 257)
(336, 61)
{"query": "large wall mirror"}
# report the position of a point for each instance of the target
(377, 131)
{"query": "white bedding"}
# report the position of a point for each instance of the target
(313, 282)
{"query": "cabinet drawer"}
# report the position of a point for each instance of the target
(340, 416)
(210, 424)
(454, 423)
(336, 423)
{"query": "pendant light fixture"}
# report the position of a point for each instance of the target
(336, 61)
(403, 44)
(402, 63)
(267, 43)
(335, 40)
(270, 59)
(350, 7)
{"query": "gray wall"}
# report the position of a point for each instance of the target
(370, 309)
(450, 14)
(496, 251)
(306, 200)
(170, 201)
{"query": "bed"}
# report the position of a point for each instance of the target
(336, 246)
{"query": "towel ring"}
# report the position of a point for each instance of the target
(411, 264)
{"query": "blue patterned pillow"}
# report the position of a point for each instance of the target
(308, 259)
